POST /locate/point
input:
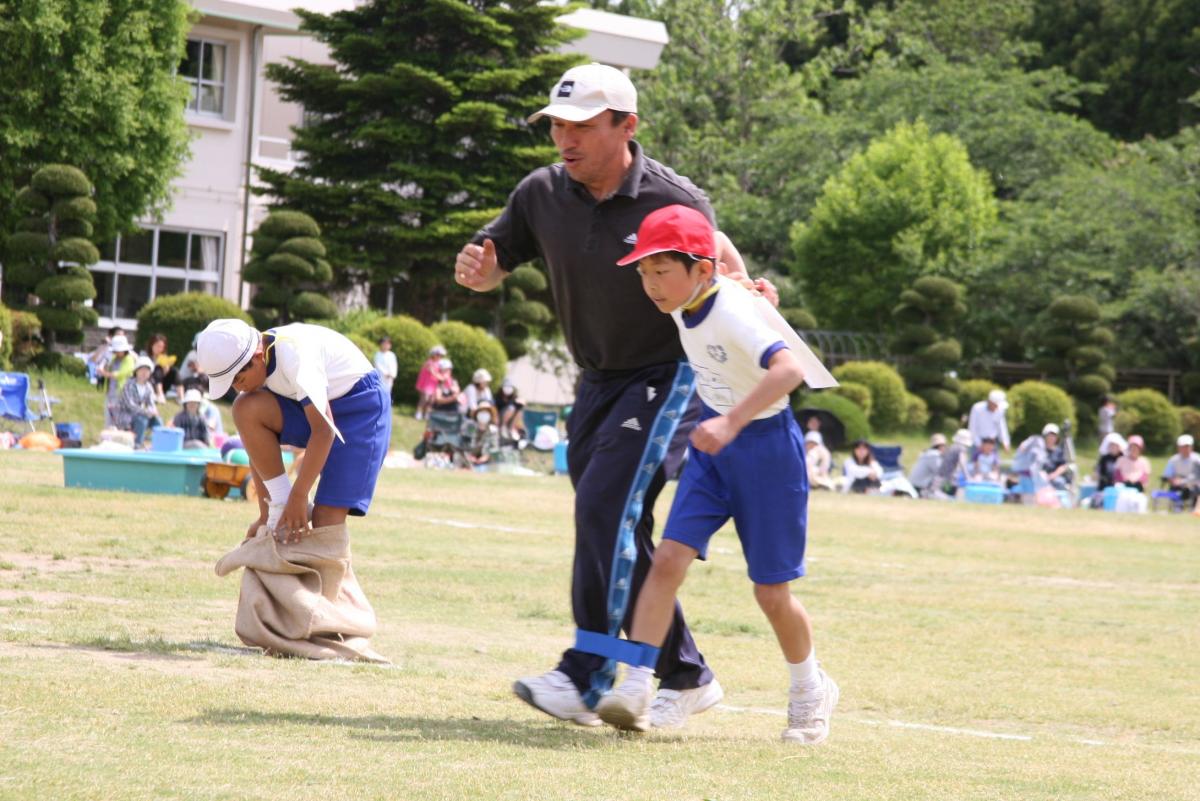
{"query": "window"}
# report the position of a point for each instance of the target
(151, 263)
(203, 67)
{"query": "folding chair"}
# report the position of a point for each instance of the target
(14, 400)
(888, 457)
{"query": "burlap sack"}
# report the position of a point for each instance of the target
(301, 599)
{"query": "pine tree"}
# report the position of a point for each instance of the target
(48, 257)
(1074, 349)
(925, 317)
(417, 134)
(288, 267)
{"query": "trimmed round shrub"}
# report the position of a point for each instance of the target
(306, 247)
(312, 306)
(61, 179)
(1149, 413)
(1189, 421)
(1091, 385)
(799, 318)
(858, 393)
(79, 229)
(32, 200)
(470, 348)
(74, 208)
(281, 225)
(62, 362)
(941, 401)
(943, 290)
(528, 279)
(290, 265)
(844, 409)
(180, 317)
(79, 251)
(916, 335)
(28, 245)
(322, 271)
(268, 295)
(411, 342)
(947, 352)
(65, 289)
(1032, 404)
(887, 391)
(55, 319)
(26, 337)
(916, 412)
(972, 391)
(6, 337)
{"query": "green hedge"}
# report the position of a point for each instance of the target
(1149, 413)
(888, 394)
(180, 317)
(6, 337)
(1189, 421)
(411, 342)
(470, 348)
(916, 412)
(1033, 404)
(860, 394)
(844, 409)
(26, 337)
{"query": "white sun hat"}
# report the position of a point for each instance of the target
(224, 348)
(585, 91)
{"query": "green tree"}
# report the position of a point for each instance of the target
(1073, 349)
(48, 258)
(93, 82)
(287, 265)
(1146, 53)
(910, 205)
(926, 316)
(416, 133)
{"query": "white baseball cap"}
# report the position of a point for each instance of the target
(143, 361)
(585, 91)
(119, 344)
(193, 396)
(1185, 439)
(998, 397)
(1050, 428)
(222, 349)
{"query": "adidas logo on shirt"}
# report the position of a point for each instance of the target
(632, 424)
(651, 393)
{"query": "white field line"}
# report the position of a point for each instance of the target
(463, 524)
(990, 735)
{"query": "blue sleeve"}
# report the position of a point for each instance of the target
(771, 350)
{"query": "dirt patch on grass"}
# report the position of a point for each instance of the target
(97, 564)
(195, 662)
(57, 598)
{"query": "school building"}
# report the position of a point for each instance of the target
(238, 121)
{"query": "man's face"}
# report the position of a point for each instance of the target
(1185, 451)
(593, 151)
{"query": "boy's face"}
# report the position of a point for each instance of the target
(253, 375)
(668, 282)
(987, 446)
(142, 374)
(385, 346)
(192, 408)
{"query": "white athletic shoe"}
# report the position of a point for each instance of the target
(809, 713)
(555, 694)
(672, 708)
(628, 706)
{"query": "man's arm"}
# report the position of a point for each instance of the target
(732, 266)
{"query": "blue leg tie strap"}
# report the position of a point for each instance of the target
(638, 654)
(620, 583)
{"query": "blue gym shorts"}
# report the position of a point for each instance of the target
(364, 416)
(761, 481)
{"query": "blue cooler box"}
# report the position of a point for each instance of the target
(984, 492)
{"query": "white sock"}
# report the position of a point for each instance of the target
(804, 674)
(639, 677)
(278, 488)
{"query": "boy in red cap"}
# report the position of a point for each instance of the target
(746, 461)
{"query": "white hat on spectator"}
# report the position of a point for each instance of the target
(937, 440)
(998, 397)
(445, 364)
(963, 438)
(814, 436)
(143, 361)
(437, 350)
(193, 396)
(1185, 439)
(119, 344)
(481, 376)
(1051, 428)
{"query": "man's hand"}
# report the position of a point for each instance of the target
(714, 434)
(477, 267)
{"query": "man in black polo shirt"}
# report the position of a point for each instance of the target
(581, 216)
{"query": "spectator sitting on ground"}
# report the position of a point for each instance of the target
(862, 473)
(482, 434)
(1111, 449)
(987, 420)
(818, 460)
(926, 469)
(136, 410)
(447, 397)
(1055, 468)
(115, 370)
(985, 465)
(190, 374)
(1182, 472)
(1133, 469)
(1106, 416)
(509, 407)
(386, 365)
(165, 376)
(479, 391)
(191, 420)
(953, 472)
(427, 380)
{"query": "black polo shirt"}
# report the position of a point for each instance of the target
(608, 321)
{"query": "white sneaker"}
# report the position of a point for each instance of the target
(555, 694)
(671, 708)
(809, 713)
(628, 706)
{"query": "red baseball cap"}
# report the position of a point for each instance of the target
(677, 228)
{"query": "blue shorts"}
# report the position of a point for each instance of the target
(761, 481)
(364, 416)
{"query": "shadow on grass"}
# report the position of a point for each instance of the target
(157, 645)
(400, 728)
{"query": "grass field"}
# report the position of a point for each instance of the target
(983, 653)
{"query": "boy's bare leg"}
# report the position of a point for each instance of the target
(328, 515)
(259, 423)
(788, 618)
(656, 602)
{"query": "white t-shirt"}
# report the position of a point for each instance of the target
(315, 363)
(727, 347)
(387, 364)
